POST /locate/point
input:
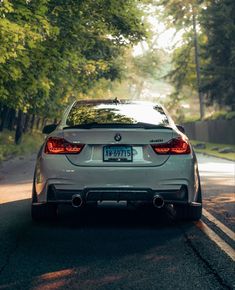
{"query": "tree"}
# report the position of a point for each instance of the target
(184, 15)
(219, 71)
(54, 51)
(23, 26)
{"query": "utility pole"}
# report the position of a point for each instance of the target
(198, 71)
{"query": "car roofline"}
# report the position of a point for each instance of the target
(114, 101)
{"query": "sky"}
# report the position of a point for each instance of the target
(165, 38)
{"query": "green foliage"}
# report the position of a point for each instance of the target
(216, 37)
(219, 71)
(30, 144)
(141, 69)
(225, 115)
(183, 16)
(147, 65)
(230, 115)
(53, 51)
(183, 72)
(190, 119)
(24, 27)
(216, 115)
(136, 72)
(177, 13)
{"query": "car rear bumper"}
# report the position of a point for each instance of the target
(117, 183)
(61, 196)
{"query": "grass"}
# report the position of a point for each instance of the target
(30, 144)
(209, 151)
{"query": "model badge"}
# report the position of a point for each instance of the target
(117, 137)
(156, 140)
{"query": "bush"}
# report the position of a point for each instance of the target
(191, 119)
(221, 115)
(30, 143)
(218, 115)
(230, 115)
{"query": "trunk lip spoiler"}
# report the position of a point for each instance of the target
(118, 126)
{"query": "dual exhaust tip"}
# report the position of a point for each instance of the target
(77, 201)
(158, 201)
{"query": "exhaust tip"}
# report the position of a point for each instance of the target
(77, 200)
(158, 201)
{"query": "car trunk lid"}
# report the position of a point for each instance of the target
(99, 141)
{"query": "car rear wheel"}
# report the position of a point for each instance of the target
(190, 212)
(40, 212)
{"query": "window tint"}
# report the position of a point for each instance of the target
(112, 113)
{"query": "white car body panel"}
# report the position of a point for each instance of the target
(87, 171)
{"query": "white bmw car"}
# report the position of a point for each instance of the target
(110, 150)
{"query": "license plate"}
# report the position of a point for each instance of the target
(117, 153)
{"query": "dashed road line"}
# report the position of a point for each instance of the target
(216, 239)
(220, 225)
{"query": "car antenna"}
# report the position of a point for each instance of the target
(116, 101)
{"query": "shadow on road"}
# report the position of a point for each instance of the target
(121, 218)
(95, 249)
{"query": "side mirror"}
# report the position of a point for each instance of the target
(49, 128)
(181, 128)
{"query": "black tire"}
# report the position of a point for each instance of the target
(43, 212)
(34, 194)
(190, 212)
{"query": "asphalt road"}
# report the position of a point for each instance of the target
(115, 248)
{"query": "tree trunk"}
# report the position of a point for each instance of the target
(198, 71)
(38, 123)
(12, 119)
(140, 89)
(32, 122)
(44, 122)
(26, 123)
(4, 117)
(19, 128)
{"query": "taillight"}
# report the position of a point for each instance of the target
(174, 146)
(56, 145)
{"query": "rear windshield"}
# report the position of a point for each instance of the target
(129, 114)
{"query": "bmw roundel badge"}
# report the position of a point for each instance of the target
(118, 137)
